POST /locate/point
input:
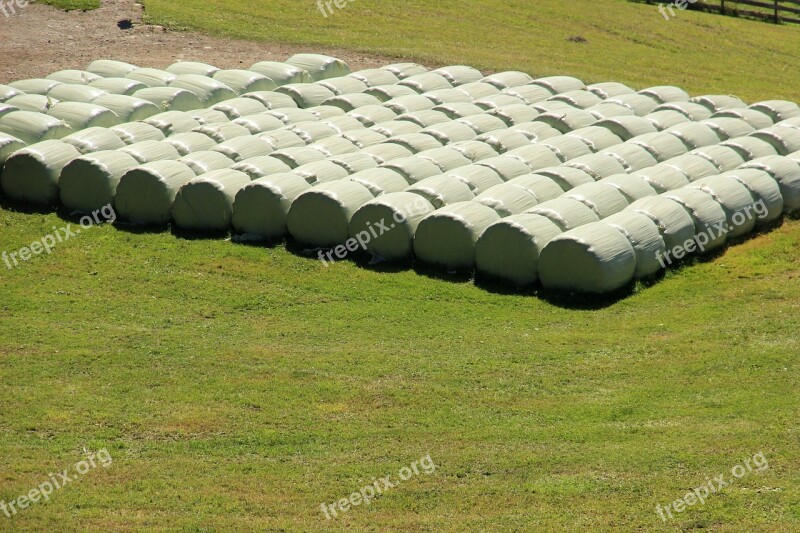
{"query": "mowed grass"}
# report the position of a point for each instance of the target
(238, 387)
(72, 5)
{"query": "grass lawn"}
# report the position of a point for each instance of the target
(239, 387)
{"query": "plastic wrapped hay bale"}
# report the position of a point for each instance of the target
(666, 93)
(261, 206)
(566, 213)
(596, 258)
(75, 93)
(541, 187)
(145, 193)
(240, 107)
(373, 114)
(508, 199)
(473, 150)
(405, 70)
(735, 199)
(429, 81)
(190, 141)
(152, 77)
(729, 127)
(755, 118)
(627, 127)
(127, 108)
(764, 189)
(374, 77)
(559, 84)
(413, 169)
(674, 222)
(281, 73)
(329, 112)
(296, 156)
(6, 92)
(609, 89)
(442, 190)
(662, 146)
(496, 101)
(631, 186)
(721, 156)
(504, 140)
(94, 140)
(449, 132)
(79, 116)
(172, 122)
(445, 158)
(459, 74)
(89, 182)
(355, 162)
(108, 68)
(208, 90)
(321, 216)
(446, 238)
(631, 156)
(134, 132)
(645, 239)
(784, 140)
(750, 147)
(506, 167)
(283, 138)
(447, 96)
(363, 138)
(312, 132)
(566, 177)
(170, 98)
(206, 202)
(425, 117)
(456, 110)
(8, 145)
(345, 85)
(566, 148)
(515, 114)
(598, 166)
(244, 81)
(379, 181)
(34, 86)
(692, 166)
(662, 178)
(567, 120)
(415, 142)
(595, 137)
(707, 214)
(31, 174)
(118, 86)
(483, 123)
(409, 104)
(477, 177)
(320, 67)
(320, 172)
(536, 156)
(638, 103)
(786, 173)
(220, 133)
(509, 249)
(777, 110)
(602, 198)
(694, 112)
(149, 151)
(192, 67)
(719, 102)
(306, 95)
(241, 148)
(334, 145)
(605, 110)
(384, 93)
(272, 99)
(206, 161)
(694, 134)
(259, 123)
(30, 127)
(666, 118)
(386, 152)
(580, 99)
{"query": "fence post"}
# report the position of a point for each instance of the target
(722, 7)
(777, 18)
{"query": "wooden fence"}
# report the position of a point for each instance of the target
(776, 11)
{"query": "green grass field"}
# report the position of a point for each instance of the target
(239, 387)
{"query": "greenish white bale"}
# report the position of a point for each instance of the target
(374, 77)
(425, 117)
(379, 181)
(660, 145)
(190, 141)
(34, 85)
(729, 127)
(283, 138)
(384, 93)
(108, 68)
(601, 111)
(75, 93)
(473, 150)
(320, 67)
(94, 140)
(693, 112)
(609, 89)
(666, 118)
(271, 99)
(542, 187)
(259, 123)
(205, 203)
(784, 140)
(206, 161)
(777, 110)
(293, 115)
(8, 145)
(735, 199)
(602, 198)
(497, 101)
(459, 74)
(240, 107)
(149, 151)
(409, 103)
(446, 96)
(152, 77)
(344, 123)
(504, 140)
(567, 119)
(596, 258)
(370, 115)
(223, 132)
(441, 190)
(6, 92)
(508, 199)
(244, 81)
(662, 178)
(281, 73)
(750, 147)
(631, 186)
(298, 155)
(756, 119)
(429, 81)
(208, 90)
(128, 108)
(566, 177)
(242, 148)
(446, 238)
(31, 174)
(145, 193)
(6, 109)
(674, 222)
(478, 178)
(510, 78)
(532, 94)
(764, 189)
(595, 137)
(578, 99)
(320, 172)
(694, 134)
(707, 214)
(456, 110)
(261, 206)
(404, 70)
(118, 86)
(786, 173)
(721, 156)
(506, 167)
(515, 114)
(415, 142)
(566, 148)
(627, 127)
(666, 93)
(363, 138)
(312, 132)
(172, 122)
(693, 166)
(445, 158)
(328, 112)
(484, 123)
(638, 103)
(135, 132)
(413, 169)
(30, 127)
(631, 156)
(394, 128)
(644, 237)
(566, 213)
(209, 117)
(559, 84)
(598, 165)
(305, 94)
(192, 67)
(89, 182)
(509, 249)
(345, 85)
(355, 162)
(79, 115)
(321, 216)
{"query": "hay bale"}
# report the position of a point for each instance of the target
(507, 167)
(441, 190)
(259, 123)
(149, 151)
(281, 73)
(192, 67)
(483, 123)
(321, 171)
(384, 93)
(89, 182)
(694, 134)
(108, 68)
(631, 186)
(596, 258)
(8, 145)
(749, 147)
(349, 102)
(206, 161)
(306, 94)
(706, 214)
(379, 181)
(567, 119)
(609, 89)
(312, 132)
(566, 148)
(208, 90)
(777, 110)
(373, 115)
(566, 177)
(206, 202)
(536, 156)
(6, 109)
(566, 213)
(220, 133)
(355, 162)
(409, 104)
(473, 150)
(597, 165)
(666, 118)
(735, 199)
(693, 166)
(321, 215)
(152, 77)
(508, 199)
(415, 142)
(374, 77)
(425, 118)
(663, 178)
(756, 119)
(693, 112)
(674, 223)
(320, 67)
(94, 140)
(607, 109)
(429, 81)
(662, 146)
(536, 131)
(336, 145)
(504, 140)
(644, 237)
(602, 198)
(75, 93)
(530, 94)
(7, 92)
(515, 114)
(118, 86)
(449, 132)
(763, 188)
(459, 74)
(595, 137)
(542, 187)
(172, 122)
(786, 173)
(478, 178)
(447, 96)
(34, 86)
(385, 152)
(413, 168)
(328, 112)
(346, 123)
(191, 141)
(244, 81)
(79, 116)
(135, 132)
(345, 85)
(719, 102)
(30, 127)
(784, 140)
(559, 84)
(271, 99)
(580, 99)
(666, 93)
(445, 158)
(638, 103)
(631, 156)
(128, 108)
(262, 166)
(627, 127)
(509, 249)
(405, 70)
(209, 116)
(31, 174)
(446, 238)
(240, 107)
(297, 155)
(260, 207)
(496, 101)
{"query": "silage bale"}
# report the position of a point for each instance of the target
(384, 93)
(34, 85)
(638, 103)
(596, 258)
(75, 93)
(190, 141)
(786, 173)
(335, 145)
(764, 189)
(321, 215)
(735, 199)
(631, 186)
(425, 118)
(349, 102)
(262, 166)
(580, 99)
(459, 74)
(312, 132)
(244, 81)
(78, 115)
(429, 81)
(31, 173)
(478, 89)
(694, 134)
(6, 109)
(220, 133)
(209, 116)
(413, 169)
(784, 140)
(504, 140)
(508, 199)
(442, 190)
(30, 127)
(566, 177)
(374, 77)
(449, 132)
(297, 155)
(509, 249)
(515, 114)
(566, 213)
(320, 67)
(542, 187)
(206, 161)
(327, 112)
(345, 123)
(447, 96)
(294, 115)
(719, 102)
(644, 237)
(707, 214)
(72, 76)
(172, 122)
(473, 150)
(379, 180)
(627, 127)
(385, 152)
(567, 120)
(660, 145)
(755, 118)
(307, 94)
(415, 142)
(477, 177)
(674, 223)
(387, 224)
(345, 85)
(529, 93)
(595, 137)
(206, 202)
(134, 132)
(536, 131)
(666, 93)
(496, 101)
(128, 108)
(118, 86)
(507, 167)
(259, 123)
(663, 178)
(609, 89)
(170, 98)
(632, 156)
(272, 99)
(777, 110)
(363, 138)
(208, 90)
(149, 151)
(559, 84)
(484, 123)
(693, 166)
(372, 115)
(240, 107)
(598, 165)
(566, 147)
(281, 73)
(261, 206)
(602, 198)
(409, 104)
(355, 162)
(8, 145)
(404, 70)
(145, 193)
(94, 140)
(192, 67)
(694, 112)
(151, 77)
(749, 147)
(607, 109)
(320, 172)
(7, 92)
(666, 118)
(108, 68)
(89, 182)
(536, 156)
(445, 158)
(446, 238)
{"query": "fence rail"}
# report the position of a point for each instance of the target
(776, 11)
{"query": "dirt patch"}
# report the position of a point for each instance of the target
(39, 39)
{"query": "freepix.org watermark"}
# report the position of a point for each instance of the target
(680, 4)
(712, 486)
(326, 6)
(367, 493)
(9, 7)
(57, 481)
(59, 235)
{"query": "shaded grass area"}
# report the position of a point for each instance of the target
(72, 5)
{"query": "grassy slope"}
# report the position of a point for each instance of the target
(239, 387)
(70, 5)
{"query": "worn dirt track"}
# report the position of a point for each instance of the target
(39, 39)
